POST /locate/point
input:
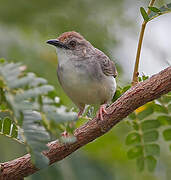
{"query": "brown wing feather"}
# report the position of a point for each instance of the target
(108, 66)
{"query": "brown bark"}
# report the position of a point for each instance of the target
(137, 96)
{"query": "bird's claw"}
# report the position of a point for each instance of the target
(65, 134)
(100, 112)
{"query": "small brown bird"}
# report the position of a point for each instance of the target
(85, 73)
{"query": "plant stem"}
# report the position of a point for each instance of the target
(135, 74)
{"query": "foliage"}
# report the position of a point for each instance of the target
(147, 122)
(155, 12)
(29, 110)
(147, 119)
(120, 91)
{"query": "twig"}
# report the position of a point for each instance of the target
(135, 74)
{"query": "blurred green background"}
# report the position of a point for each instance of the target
(113, 27)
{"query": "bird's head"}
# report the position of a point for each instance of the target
(71, 43)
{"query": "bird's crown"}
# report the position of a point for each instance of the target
(68, 35)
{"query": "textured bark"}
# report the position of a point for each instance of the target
(137, 96)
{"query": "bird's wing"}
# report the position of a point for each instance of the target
(108, 66)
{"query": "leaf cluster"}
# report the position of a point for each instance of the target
(155, 12)
(30, 111)
(148, 123)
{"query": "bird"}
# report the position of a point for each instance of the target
(85, 73)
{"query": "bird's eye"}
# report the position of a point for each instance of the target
(72, 43)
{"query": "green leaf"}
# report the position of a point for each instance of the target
(59, 115)
(167, 134)
(135, 152)
(135, 125)
(164, 120)
(150, 136)
(140, 163)
(163, 9)
(144, 77)
(9, 129)
(10, 72)
(152, 149)
(159, 108)
(166, 98)
(6, 126)
(14, 132)
(145, 113)
(36, 137)
(139, 79)
(38, 81)
(133, 138)
(117, 95)
(154, 9)
(35, 92)
(120, 91)
(3, 108)
(150, 124)
(22, 82)
(151, 163)
(10, 99)
(2, 60)
(169, 107)
(132, 116)
(126, 88)
(144, 14)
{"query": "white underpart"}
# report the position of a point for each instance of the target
(79, 83)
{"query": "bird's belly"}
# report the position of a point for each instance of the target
(82, 88)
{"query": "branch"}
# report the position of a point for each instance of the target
(137, 96)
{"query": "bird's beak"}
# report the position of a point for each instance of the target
(57, 43)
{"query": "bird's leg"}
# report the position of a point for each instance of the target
(100, 112)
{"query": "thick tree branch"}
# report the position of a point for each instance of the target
(137, 96)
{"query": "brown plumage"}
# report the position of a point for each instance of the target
(67, 35)
(85, 73)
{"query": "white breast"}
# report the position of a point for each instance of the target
(83, 86)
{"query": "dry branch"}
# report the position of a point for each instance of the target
(137, 96)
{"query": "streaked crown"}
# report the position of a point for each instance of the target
(68, 35)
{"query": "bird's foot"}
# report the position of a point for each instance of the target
(101, 111)
(65, 134)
